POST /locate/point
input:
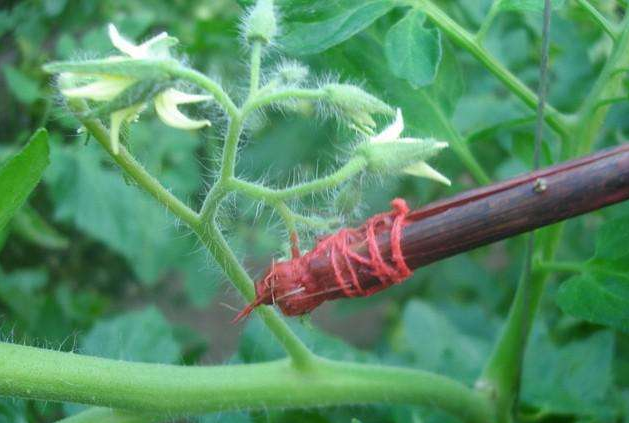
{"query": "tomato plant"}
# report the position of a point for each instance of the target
(188, 142)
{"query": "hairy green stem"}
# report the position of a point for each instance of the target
(213, 239)
(256, 58)
(179, 390)
(599, 18)
(197, 78)
(354, 166)
(208, 233)
(134, 169)
(285, 94)
(467, 41)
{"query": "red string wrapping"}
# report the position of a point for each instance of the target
(335, 268)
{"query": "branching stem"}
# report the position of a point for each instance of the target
(181, 390)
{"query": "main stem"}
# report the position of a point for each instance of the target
(182, 390)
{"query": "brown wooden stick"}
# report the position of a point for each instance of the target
(360, 262)
(484, 215)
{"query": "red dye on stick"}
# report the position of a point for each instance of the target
(382, 252)
(293, 287)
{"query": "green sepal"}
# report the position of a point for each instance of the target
(132, 68)
(140, 92)
(393, 157)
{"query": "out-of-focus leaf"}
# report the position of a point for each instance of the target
(318, 35)
(21, 174)
(54, 7)
(600, 294)
(528, 5)
(144, 336)
(257, 344)
(31, 226)
(413, 51)
(98, 202)
(12, 411)
(575, 378)
(439, 345)
(23, 88)
(18, 288)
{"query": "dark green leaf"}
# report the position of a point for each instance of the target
(317, 36)
(596, 299)
(23, 88)
(21, 174)
(143, 336)
(600, 294)
(439, 345)
(571, 379)
(413, 51)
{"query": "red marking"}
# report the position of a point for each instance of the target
(297, 285)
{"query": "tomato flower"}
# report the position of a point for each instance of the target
(104, 88)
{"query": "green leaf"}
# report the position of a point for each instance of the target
(319, 35)
(20, 175)
(596, 299)
(574, 378)
(144, 336)
(413, 52)
(528, 5)
(23, 88)
(437, 344)
(29, 225)
(97, 201)
(600, 294)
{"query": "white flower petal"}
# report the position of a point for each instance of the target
(423, 170)
(104, 89)
(172, 95)
(117, 118)
(393, 131)
(170, 114)
(124, 45)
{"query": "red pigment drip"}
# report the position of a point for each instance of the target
(297, 286)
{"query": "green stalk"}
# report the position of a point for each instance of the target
(256, 58)
(178, 390)
(467, 41)
(134, 169)
(212, 238)
(281, 95)
(592, 113)
(607, 26)
(354, 166)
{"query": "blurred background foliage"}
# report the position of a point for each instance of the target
(93, 265)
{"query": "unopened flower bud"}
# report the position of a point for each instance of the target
(260, 23)
(387, 152)
(356, 105)
(291, 73)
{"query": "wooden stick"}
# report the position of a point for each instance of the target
(485, 215)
